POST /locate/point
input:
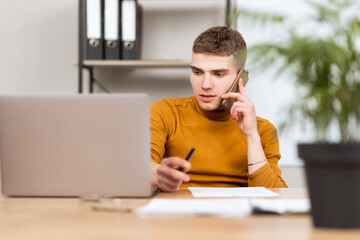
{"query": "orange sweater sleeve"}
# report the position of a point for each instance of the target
(268, 175)
(159, 129)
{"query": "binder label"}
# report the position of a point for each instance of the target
(111, 19)
(128, 18)
(93, 19)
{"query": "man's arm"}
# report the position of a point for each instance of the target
(243, 111)
(164, 172)
(256, 155)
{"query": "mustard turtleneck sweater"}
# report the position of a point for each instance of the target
(220, 159)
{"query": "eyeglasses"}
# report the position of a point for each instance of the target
(98, 203)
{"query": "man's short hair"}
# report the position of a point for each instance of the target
(222, 41)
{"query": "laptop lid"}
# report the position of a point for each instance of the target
(75, 145)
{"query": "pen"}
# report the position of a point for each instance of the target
(188, 157)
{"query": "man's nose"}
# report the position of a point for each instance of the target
(207, 82)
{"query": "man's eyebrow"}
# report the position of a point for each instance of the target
(220, 70)
(214, 70)
(196, 68)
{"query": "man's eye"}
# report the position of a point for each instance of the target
(219, 74)
(196, 72)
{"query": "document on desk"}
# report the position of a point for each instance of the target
(230, 207)
(235, 208)
(232, 192)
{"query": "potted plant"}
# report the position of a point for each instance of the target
(326, 71)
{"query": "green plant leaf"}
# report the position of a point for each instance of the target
(326, 69)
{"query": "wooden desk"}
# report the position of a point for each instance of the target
(66, 218)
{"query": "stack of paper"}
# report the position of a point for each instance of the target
(180, 207)
(230, 207)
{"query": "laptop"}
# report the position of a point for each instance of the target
(74, 146)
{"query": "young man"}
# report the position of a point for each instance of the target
(232, 149)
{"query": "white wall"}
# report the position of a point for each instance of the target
(39, 42)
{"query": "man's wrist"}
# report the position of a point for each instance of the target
(154, 175)
(254, 137)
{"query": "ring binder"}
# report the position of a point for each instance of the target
(94, 45)
(112, 33)
(131, 23)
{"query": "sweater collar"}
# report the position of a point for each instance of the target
(217, 115)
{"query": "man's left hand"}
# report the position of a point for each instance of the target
(243, 111)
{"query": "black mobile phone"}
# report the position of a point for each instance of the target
(244, 74)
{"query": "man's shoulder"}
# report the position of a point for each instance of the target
(264, 124)
(266, 129)
(171, 103)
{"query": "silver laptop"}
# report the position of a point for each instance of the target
(75, 145)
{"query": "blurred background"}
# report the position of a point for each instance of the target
(39, 45)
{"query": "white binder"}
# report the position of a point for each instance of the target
(131, 29)
(112, 29)
(94, 37)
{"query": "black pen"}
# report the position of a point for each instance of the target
(188, 157)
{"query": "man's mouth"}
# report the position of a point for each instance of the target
(207, 97)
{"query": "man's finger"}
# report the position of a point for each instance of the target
(238, 110)
(176, 162)
(241, 87)
(168, 182)
(164, 187)
(235, 95)
(172, 174)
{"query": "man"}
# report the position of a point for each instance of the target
(232, 149)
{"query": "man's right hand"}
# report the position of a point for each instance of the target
(169, 178)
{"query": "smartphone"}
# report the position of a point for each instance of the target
(244, 74)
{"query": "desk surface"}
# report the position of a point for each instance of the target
(67, 218)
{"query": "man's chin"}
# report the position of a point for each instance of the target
(210, 106)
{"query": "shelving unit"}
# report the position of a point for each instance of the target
(136, 63)
(91, 64)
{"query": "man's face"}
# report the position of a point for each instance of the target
(211, 76)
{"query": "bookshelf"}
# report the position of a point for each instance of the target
(137, 63)
(90, 65)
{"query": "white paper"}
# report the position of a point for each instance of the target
(185, 207)
(281, 206)
(232, 192)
